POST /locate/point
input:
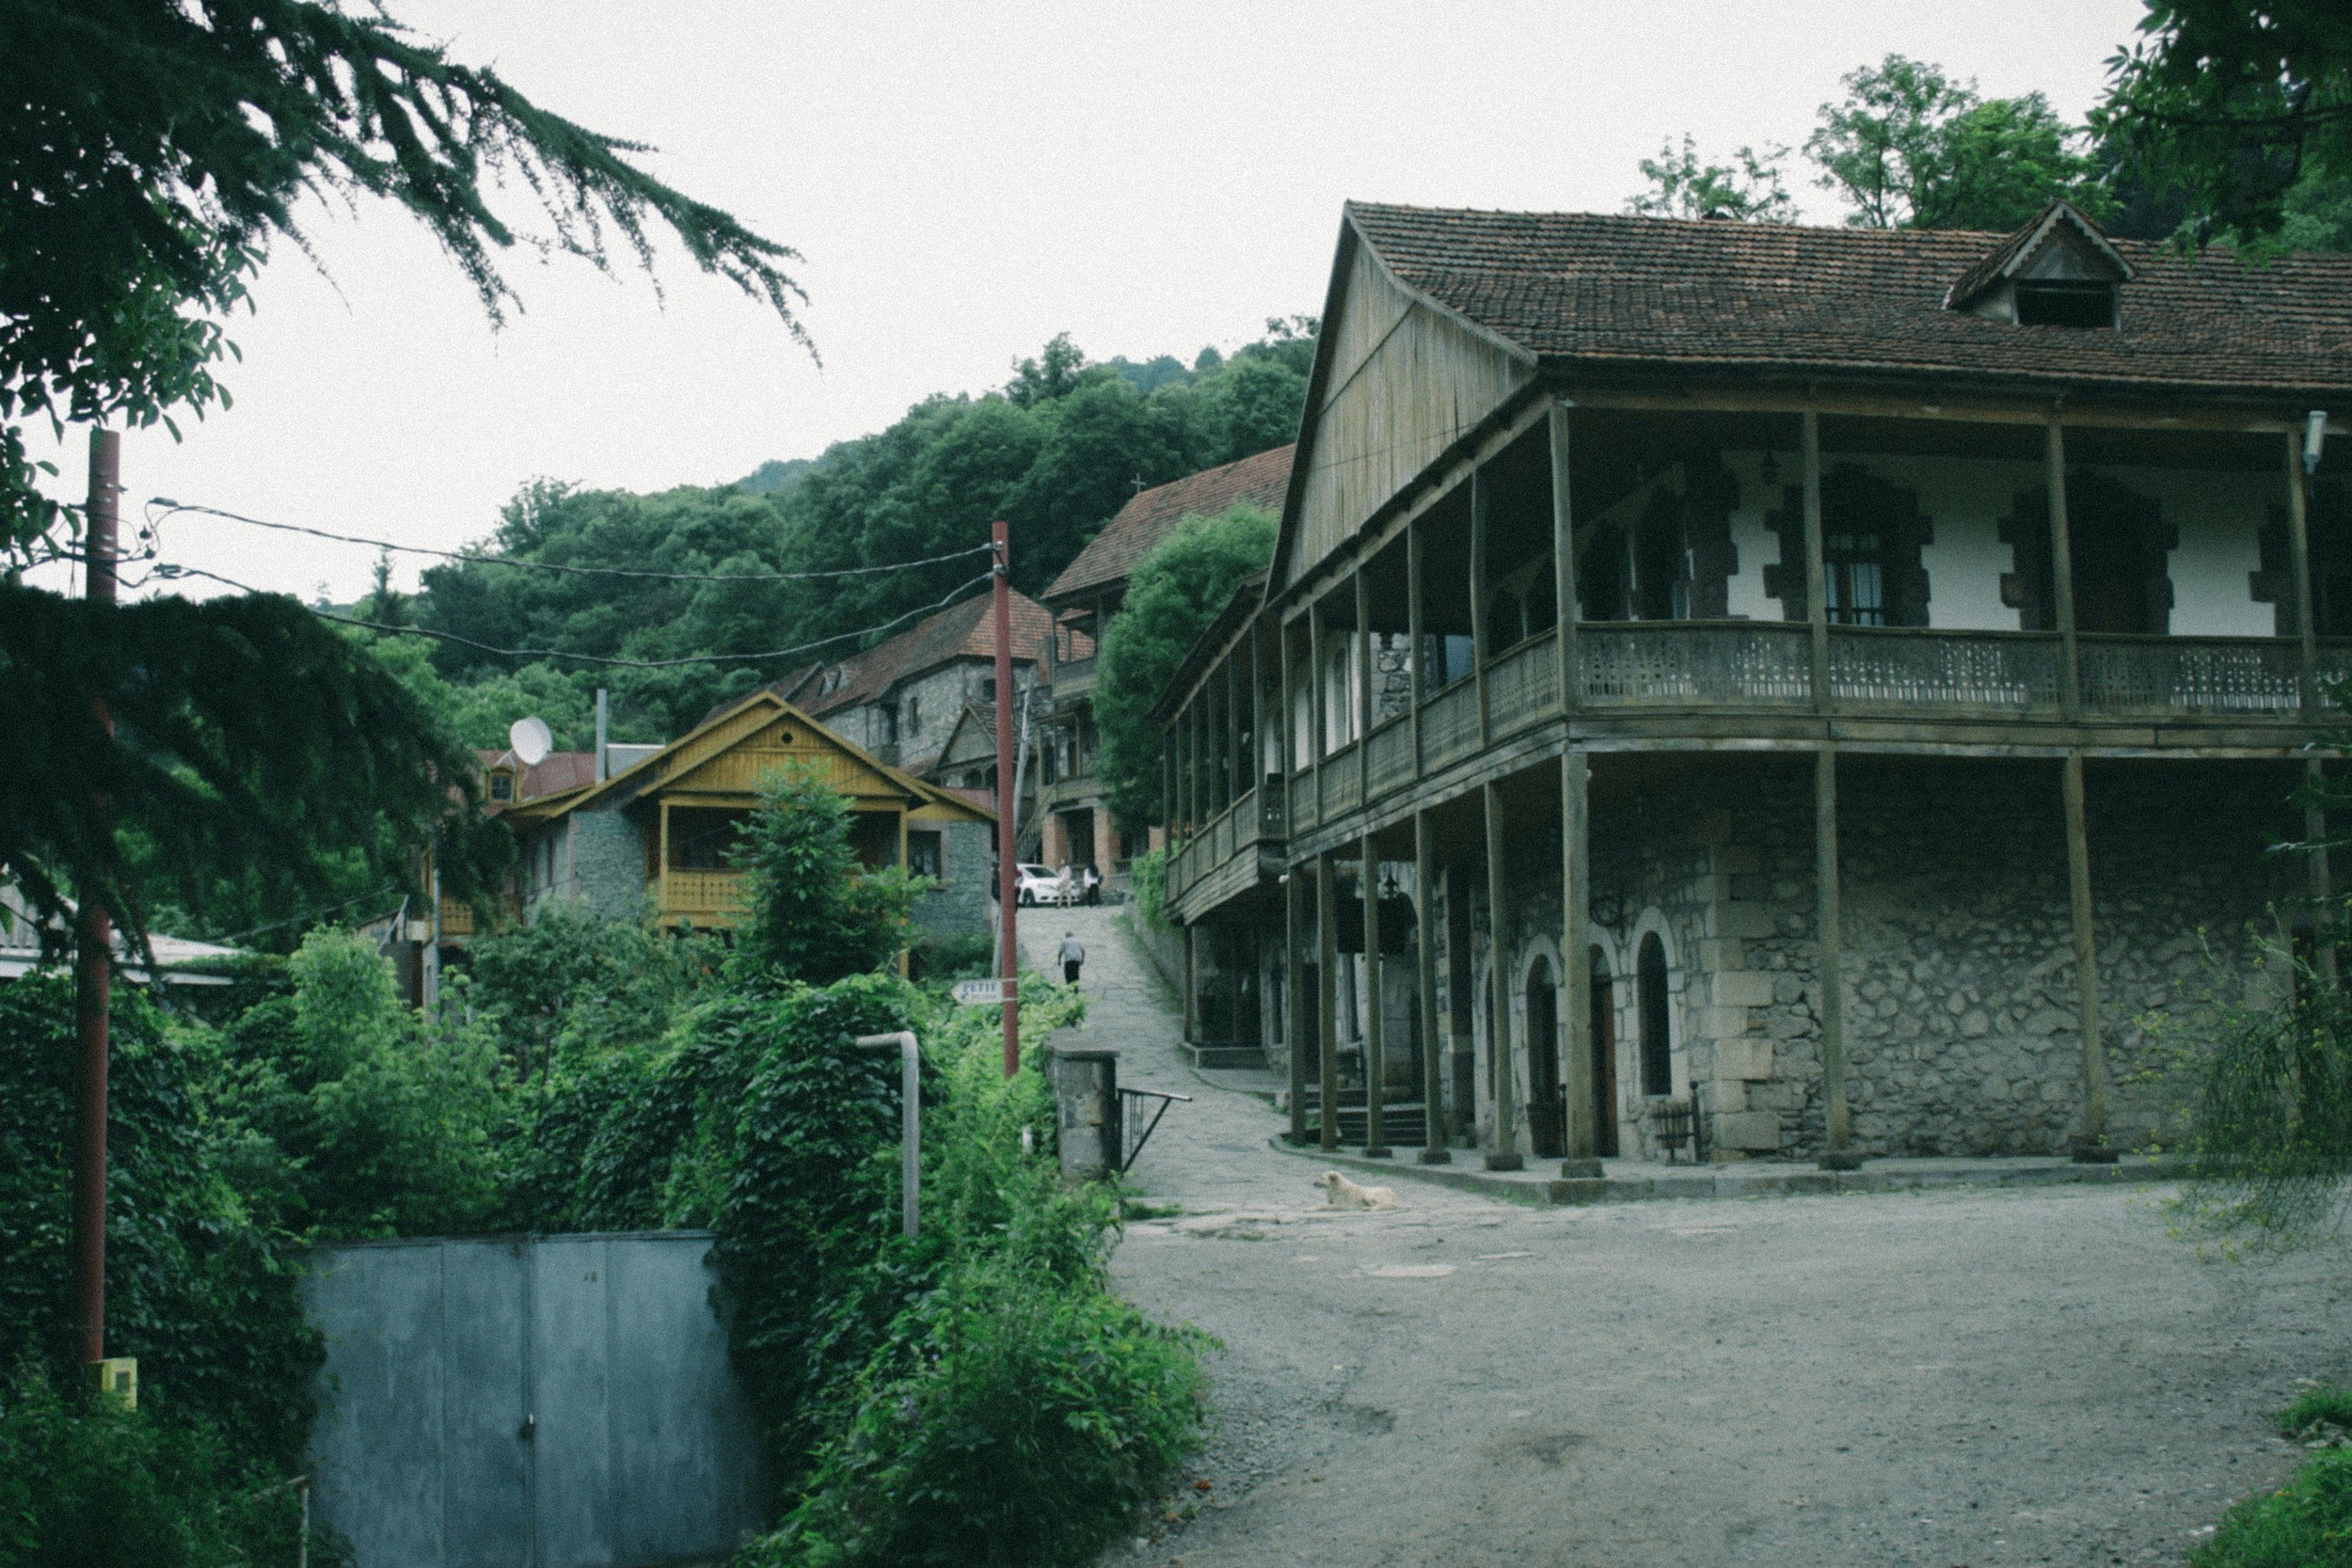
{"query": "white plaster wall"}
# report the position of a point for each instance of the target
(1965, 499)
(2218, 516)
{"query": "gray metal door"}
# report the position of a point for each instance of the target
(544, 1402)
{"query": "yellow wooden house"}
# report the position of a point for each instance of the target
(658, 832)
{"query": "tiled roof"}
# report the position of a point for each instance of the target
(966, 631)
(551, 774)
(1147, 519)
(1582, 291)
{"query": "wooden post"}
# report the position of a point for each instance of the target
(1288, 728)
(1434, 1152)
(1576, 870)
(1564, 586)
(1192, 982)
(1294, 995)
(2062, 572)
(1816, 568)
(93, 954)
(1481, 502)
(661, 883)
(1315, 699)
(1376, 1025)
(1363, 690)
(2086, 962)
(1327, 995)
(2307, 633)
(1505, 1155)
(1235, 774)
(1459, 988)
(1832, 976)
(1257, 714)
(1417, 633)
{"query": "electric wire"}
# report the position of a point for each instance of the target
(171, 508)
(171, 571)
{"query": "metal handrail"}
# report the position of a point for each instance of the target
(1126, 1123)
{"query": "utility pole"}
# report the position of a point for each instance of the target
(1008, 874)
(94, 953)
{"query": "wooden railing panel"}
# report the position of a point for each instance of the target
(2191, 674)
(1523, 686)
(1932, 671)
(1342, 789)
(1449, 725)
(705, 892)
(1392, 758)
(1683, 663)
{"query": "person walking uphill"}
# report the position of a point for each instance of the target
(1072, 953)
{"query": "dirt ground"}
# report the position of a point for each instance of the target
(1963, 1377)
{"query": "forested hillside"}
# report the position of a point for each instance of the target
(1054, 452)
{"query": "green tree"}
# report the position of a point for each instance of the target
(1910, 148)
(817, 914)
(1749, 187)
(1172, 595)
(2239, 104)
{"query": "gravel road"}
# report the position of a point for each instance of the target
(1960, 1377)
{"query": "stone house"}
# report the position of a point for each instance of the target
(1077, 828)
(1845, 681)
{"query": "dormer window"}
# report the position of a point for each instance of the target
(2059, 270)
(502, 784)
(2056, 303)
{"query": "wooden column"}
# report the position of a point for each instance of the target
(1575, 942)
(1417, 634)
(1237, 776)
(2307, 631)
(1315, 695)
(1289, 731)
(1563, 577)
(1294, 995)
(1256, 712)
(1505, 1155)
(1832, 976)
(1434, 1152)
(1816, 569)
(1459, 991)
(2062, 571)
(663, 879)
(1363, 690)
(1192, 982)
(1482, 503)
(1376, 1025)
(1327, 994)
(2086, 956)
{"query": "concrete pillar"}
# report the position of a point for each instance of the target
(1434, 1152)
(2094, 1139)
(1575, 942)
(1086, 1093)
(1327, 994)
(1375, 1022)
(1504, 1154)
(1833, 978)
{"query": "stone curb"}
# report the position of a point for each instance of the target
(1722, 1181)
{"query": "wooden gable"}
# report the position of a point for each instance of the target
(1398, 379)
(785, 739)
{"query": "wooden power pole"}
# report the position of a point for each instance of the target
(94, 954)
(1008, 874)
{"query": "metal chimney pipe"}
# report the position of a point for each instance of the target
(603, 754)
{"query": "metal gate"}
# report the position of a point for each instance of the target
(528, 1402)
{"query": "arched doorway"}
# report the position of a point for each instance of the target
(1547, 1096)
(1649, 977)
(1604, 1058)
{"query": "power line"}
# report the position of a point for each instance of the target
(171, 570)
(173, 508)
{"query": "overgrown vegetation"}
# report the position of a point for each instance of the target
(1147, 879)
(2308, 1522)
(974, 1395)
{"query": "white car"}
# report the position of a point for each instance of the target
(1041, 884)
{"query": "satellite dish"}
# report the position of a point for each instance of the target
(531, 740)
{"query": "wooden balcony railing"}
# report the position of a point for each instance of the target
(704, 895)
(1678, 663)
(1391, 753)
(1523, 686)
(1342, 788)
(2191, 674)
(2000, 671)
(1449, 725)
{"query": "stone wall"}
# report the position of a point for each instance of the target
(607, 850)
(963, 904)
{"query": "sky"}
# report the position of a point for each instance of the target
(962, 182)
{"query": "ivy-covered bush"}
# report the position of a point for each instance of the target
(1147, 879)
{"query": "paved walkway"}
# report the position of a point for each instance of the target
(1976, 1377)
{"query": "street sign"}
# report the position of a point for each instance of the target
(981, 993)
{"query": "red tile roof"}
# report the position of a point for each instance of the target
(966, 631)
(1154, 513)
(1587, 291)
(553, 773)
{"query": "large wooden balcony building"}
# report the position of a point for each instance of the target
(1852, 677)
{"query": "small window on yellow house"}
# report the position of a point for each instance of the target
(923, 854)
(502, 784)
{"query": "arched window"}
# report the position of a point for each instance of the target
(1657, 1071)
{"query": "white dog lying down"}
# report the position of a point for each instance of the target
(1340, 1192)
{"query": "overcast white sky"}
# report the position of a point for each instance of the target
(965, 182)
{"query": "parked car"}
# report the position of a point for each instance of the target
(1041, 884)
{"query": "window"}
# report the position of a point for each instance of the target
(1658, 1067)
(923, 854)
(914, 720)
(2043, 303)
(502, 784)
(886, 726)
(1855, 572)
(987, 689)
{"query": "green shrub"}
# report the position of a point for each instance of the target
(2305, 1524)
(201, 1296)
(937, 960)
(88, 1484)
(1147, 879)
(574, 984)
(2315, 1409)
(817, 914)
